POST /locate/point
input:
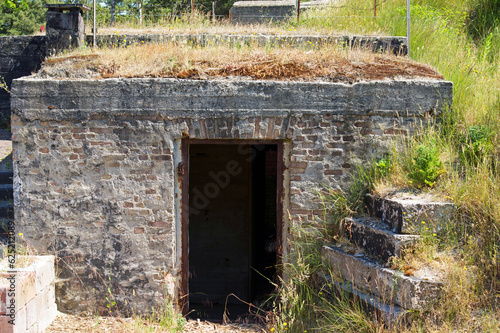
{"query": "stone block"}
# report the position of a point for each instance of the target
(19, 319)
(376, 237)
(47, 318)
(33, 311)
(25, 288)
(45, 273)
(410, 214)
(391, 286)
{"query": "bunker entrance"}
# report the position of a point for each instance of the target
(234, 227)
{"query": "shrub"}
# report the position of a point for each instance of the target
(426, 166)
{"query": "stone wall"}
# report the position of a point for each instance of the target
(19, 56)
(391, 44)
(95, 163)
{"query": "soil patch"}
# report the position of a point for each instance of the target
(65, 323)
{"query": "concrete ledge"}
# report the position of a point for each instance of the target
(375, 237)
(393, 44)
(406, 214)
(78, 99)
(391, 286)
(389, 314)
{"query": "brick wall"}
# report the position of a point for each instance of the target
(95, 163)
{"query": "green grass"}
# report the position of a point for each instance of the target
(457, 157)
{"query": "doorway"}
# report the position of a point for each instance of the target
(234, 223)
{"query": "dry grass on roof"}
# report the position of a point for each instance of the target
(177, 60)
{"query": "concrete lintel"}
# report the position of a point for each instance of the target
(48, 99)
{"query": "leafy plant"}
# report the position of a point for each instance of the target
(426, 166)
(476, 144)
(383, 166)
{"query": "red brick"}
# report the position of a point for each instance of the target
(334, 172)
(312, 137)
(161, 157)
(348, 138)
(101, 130)
(101, 143)
(127, 204)
(150, 191)
(43, 150)
(73, 157)
(313, 151)
(160, 224)
(336, 145)
(138, 230)
(301, 165)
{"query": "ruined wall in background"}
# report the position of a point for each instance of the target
(95, 163)
(19, 56)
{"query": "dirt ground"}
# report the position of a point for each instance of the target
(65, 323)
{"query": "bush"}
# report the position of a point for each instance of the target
(427, 166)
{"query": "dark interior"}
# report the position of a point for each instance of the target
(232, 228)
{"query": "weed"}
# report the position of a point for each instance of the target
(339, 204)
(476, 145)
(426, 166)
(3, 85)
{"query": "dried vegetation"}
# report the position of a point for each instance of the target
(177, 60)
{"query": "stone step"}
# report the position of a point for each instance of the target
(6, 210)
(6, 192)
(6, 177)
(409, 292)
(376, 237)
(388, 314)
(405, 212)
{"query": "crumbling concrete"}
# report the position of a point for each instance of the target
(409, 214)
(391, 286)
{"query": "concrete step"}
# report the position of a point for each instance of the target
(367, 276)
(6, 192)
(6, 210)
(405, 212)
(376, 237)
(388, 314)
(6, 177)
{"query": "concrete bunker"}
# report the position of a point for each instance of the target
(106, 172)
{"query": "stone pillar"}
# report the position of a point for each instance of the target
(65, 27)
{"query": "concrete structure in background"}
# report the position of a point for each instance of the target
(255, 12)
(154, 184)
(22, 55)
(65, 28)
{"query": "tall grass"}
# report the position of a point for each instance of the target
(460, 39)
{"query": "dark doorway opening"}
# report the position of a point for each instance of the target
(234, 225)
